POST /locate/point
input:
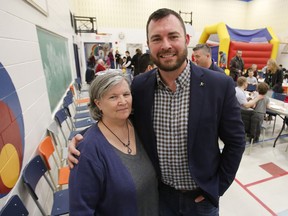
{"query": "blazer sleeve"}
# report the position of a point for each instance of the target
(232, 133)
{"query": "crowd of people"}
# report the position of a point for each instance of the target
(131, 66)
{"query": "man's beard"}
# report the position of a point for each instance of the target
(171, 67)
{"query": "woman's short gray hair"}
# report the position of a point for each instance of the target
(102, 83)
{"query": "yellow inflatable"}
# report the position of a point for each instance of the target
(224, 39)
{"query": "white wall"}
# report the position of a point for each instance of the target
(264, 13)
(20, 55)
(129, 14)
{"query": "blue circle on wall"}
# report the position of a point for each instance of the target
(11, 134)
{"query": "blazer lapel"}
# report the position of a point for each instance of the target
(197, 87)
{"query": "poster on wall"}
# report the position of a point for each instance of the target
(99, 50)
(56, 64)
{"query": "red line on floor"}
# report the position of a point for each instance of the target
(256, 198)
(264, 180)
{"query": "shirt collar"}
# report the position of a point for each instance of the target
(183, 79)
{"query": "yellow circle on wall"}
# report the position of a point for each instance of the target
(9, 165)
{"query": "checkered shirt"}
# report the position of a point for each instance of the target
(170, 112)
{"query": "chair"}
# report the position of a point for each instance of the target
(77, 88)
(251, 88)
(53, 131)
(14, 207)
(67, 101)
(279, 96)
(61, 116)
(46, 150)
(78, 85)
(80, 104)
(32, 174)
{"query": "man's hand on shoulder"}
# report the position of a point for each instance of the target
(72, 151)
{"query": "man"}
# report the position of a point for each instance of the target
(145, 63)
(128, 65)
(236, 65)
(223, 60)
(135, 61)
(180, 111)
(118, 58)
(245, 102)
(202, 54)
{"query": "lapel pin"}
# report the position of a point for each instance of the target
(202, 84)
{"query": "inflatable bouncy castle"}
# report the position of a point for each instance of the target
(257, 45)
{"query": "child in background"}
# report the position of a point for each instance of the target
(251, 79)
(261, 106)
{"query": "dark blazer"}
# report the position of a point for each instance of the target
(214, 112)
(214, 67)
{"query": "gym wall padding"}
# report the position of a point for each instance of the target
(252, 53)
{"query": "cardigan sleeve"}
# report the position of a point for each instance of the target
(85, 186)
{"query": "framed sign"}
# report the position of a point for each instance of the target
(40, 5)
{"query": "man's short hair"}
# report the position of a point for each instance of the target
(144, 62)
(204, 47)
(160, 14)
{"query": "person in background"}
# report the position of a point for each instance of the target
(236, 65)
(245, 102)
(251, 79)
(223, 60)
(180, 113)
(274, 76)
(114, 175)
(100, 66)
(145, 63)
(90, 71)
(255, 70)
(135, 61)
(124, 60)
(117, 58)
(202, 54)
(89, 75)
(111, 59)
(128, 65)
(261, 106)
(91, 61)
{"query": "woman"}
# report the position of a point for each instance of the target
(274, 76)
(114, 175)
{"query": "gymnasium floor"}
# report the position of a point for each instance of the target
(261, 184)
